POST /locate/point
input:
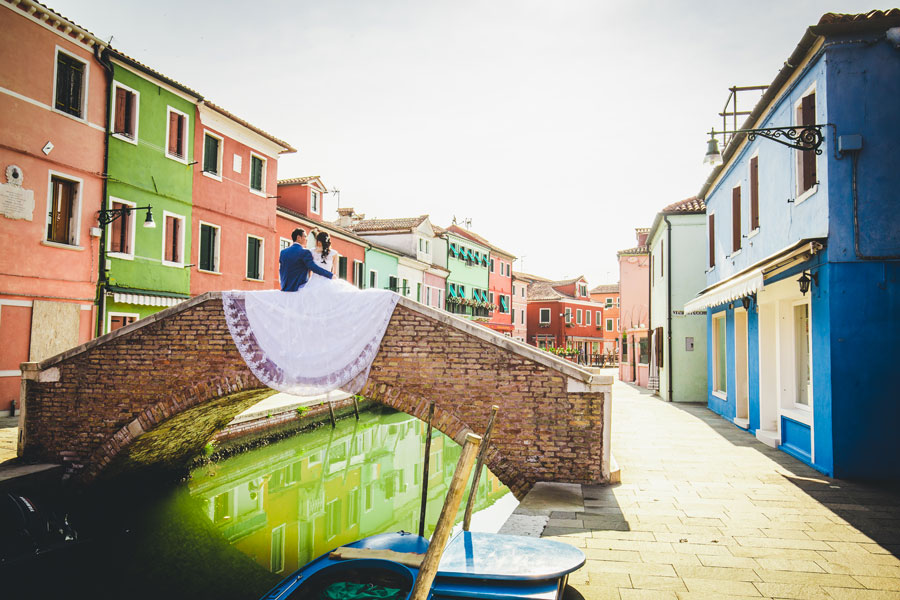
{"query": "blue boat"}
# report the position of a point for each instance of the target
(474, 565)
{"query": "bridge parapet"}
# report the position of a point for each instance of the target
(155, 391)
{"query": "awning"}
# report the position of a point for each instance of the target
(484, 260)
(452, 289)
(743, 285)
(145, 299)
(453, 249)
(503, 303)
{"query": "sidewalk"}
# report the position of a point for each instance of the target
(706, 511)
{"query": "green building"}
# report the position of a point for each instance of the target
(150, 164)
(381, 266)
(467, 284)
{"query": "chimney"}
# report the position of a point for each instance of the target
(346, 217)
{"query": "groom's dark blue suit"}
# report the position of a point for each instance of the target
(295, 262)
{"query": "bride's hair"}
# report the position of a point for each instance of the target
(323, 238)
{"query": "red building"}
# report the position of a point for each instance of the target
(234, 204)
(608, 296)
(562, 315)
(301, 204)
(499, 282)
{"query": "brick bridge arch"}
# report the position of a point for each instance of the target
(156, 391)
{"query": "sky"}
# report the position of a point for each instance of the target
(556, 127)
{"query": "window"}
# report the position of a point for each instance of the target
(523, 291)
(736, 219)
(609, 325)
(582, 289)
(125, 114)
(173, 240)
(662, 258)
(212, 155)
(209, 248)
(332, 518)
(643, 351)
(598, 316)
(284, 243)
(802, 362)
(342, 267)
(587, 317)
(578, 316)
(492, 265)
(176, 135)
(392, 283)
(754, 193)
(121, 231)
(618, 326)
(711, 235)
(359, 277)
(491, 297)
(277, 550)
(609, 302)
(427, 295)
(373, 279)
(545, 316)
(71, 84)
(418, 292)
(719, 372)
(805, 114)
(63, 211)
(257, 173)
(314, 201)
(255, 249)
(522, 318)
(568, 315)
(120, 320)
(405, 291)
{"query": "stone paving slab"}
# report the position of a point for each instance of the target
(704, 511)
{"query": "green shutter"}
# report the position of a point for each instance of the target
(211, 155)
(204, 248)
(252, 258)
(256, 167)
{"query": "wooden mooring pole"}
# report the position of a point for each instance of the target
(331, 410)
(356, 407)
(425, 471)
(467, 518)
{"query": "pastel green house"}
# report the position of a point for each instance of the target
(467, 284)
(150, 164)
(381, 267)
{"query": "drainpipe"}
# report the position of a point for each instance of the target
(669, 370)
(103, 58)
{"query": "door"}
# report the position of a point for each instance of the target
(741, 372)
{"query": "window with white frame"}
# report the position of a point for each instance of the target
(578, 317)
(70, 84)
(212, 155)
(63, 209)
(597, 318)
(120, 232)
(522, 318)
(176, 134)
(314, 201)
(720, 381)
(373, 279)
(118, 320)
(284, 243)
(754, 194)
(609, 303)
(544, 316)
(804, 115)
(568, 315)
(802, 354)
(276, 553)
(173, 240)
(255, 252)
(609, 323)
(582, 289)
(125, 113)
(257, 174)
(359, 278)
(210, 240)
(587, 317)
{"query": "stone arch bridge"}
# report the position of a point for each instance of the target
(156, 391)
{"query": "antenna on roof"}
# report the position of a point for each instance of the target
(454, 219)
(337, 196)
(467, 223)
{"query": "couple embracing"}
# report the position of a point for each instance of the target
(295, 262)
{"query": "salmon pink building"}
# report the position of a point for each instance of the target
(499, 282)
(300, 204)
(562, 316)
(634, 286)
(236, 245)
(608, 296)
(53, 99)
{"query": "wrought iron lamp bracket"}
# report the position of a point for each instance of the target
(108, 215)
(804, 138)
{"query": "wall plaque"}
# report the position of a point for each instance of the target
(16, 202)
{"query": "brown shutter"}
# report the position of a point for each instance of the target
(173, 133)
(808, 116)
(116, 230)
(754, 193)
(170, 238)
(712, 241)
(179, 121)
(121, 101)
(736, 219)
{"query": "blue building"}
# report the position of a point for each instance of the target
(802, 296)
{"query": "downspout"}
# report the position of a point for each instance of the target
(669, 369)
(103, 58)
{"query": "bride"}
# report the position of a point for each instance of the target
(320, 338)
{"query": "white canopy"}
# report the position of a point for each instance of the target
(743, 285)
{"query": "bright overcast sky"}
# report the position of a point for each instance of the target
(556, 126)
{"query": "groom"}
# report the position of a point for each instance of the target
(295, 263)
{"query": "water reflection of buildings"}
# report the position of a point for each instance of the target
(286, 503)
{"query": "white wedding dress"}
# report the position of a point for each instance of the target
(320, 338)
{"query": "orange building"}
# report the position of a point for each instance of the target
(608, 295)
(53, 98)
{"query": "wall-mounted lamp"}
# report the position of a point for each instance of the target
(805, 138)
(804, 280)
(745, 302)
(108, 215)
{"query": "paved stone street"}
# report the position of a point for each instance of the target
(9, 432)
(706, 511)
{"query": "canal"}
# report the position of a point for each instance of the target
(236, 527)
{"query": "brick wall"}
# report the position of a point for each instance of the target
(153, 393)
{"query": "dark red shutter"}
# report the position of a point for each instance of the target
(173, 133)
(736, 219)
(754, 193)
(712, 241)
(121, 101)
(808, 116)
(170, 239)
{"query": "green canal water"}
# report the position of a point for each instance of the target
(236, 527)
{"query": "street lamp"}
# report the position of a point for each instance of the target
(806, 138)
(108, 215)
(805, 279)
